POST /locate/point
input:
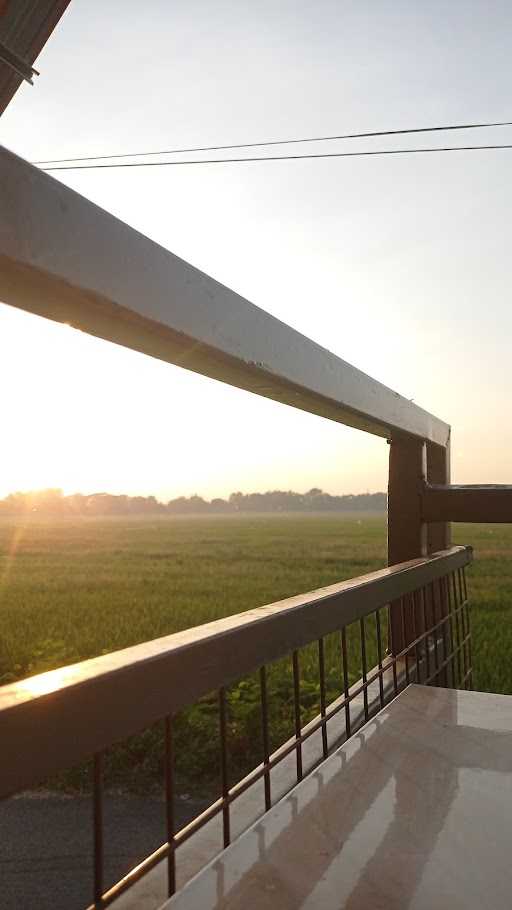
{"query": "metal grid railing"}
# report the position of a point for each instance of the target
(372, 670)
(439, 650)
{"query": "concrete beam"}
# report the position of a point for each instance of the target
(68, 260)
(486, 503)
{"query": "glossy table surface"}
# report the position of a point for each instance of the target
(414, 812)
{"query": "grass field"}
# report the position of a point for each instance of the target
(73, 589)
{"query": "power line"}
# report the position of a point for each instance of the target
(247, 145)
(454, 148)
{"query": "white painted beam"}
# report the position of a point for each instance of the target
(66, 259)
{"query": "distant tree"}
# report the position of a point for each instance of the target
(220, 505)
(53, 502)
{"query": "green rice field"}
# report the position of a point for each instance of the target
(76, 588)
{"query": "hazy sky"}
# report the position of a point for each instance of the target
(399, 265)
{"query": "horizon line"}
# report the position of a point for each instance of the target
(58, 492)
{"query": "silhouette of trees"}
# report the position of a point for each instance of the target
(53, 502)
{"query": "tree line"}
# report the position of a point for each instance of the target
(54, 502)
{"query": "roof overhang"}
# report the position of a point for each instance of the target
(25, 26)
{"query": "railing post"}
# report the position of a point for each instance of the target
(407, 537)
(438, 471)
(439, 538)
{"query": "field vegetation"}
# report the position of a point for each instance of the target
(73, 588)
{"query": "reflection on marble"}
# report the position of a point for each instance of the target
(415, 812)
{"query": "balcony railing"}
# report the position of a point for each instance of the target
(66, 716)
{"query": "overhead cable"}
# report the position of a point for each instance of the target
(422, 151)
(246, 145)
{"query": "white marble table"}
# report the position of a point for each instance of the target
(414, 812)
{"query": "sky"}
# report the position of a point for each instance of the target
(399, 265)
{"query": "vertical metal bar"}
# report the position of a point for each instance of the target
(321, 673)
(404, 639)
(425, 629)
(224, 766)
(464, 646)
(265, 736)
(392, 649)
(379, 656)
(452, 639)
(463, 625)
(98, 829)
(344, 660)
(417, 649)
(364, 666)
(442, 614)
(468, 627)
(470, 658)
(459, 580)
(435, 633)
(457, 629)
(449, 628)
(169, 806)
(465, 583)
(296, 707)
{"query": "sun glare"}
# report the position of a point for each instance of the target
(84, 415)
(51, 681)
